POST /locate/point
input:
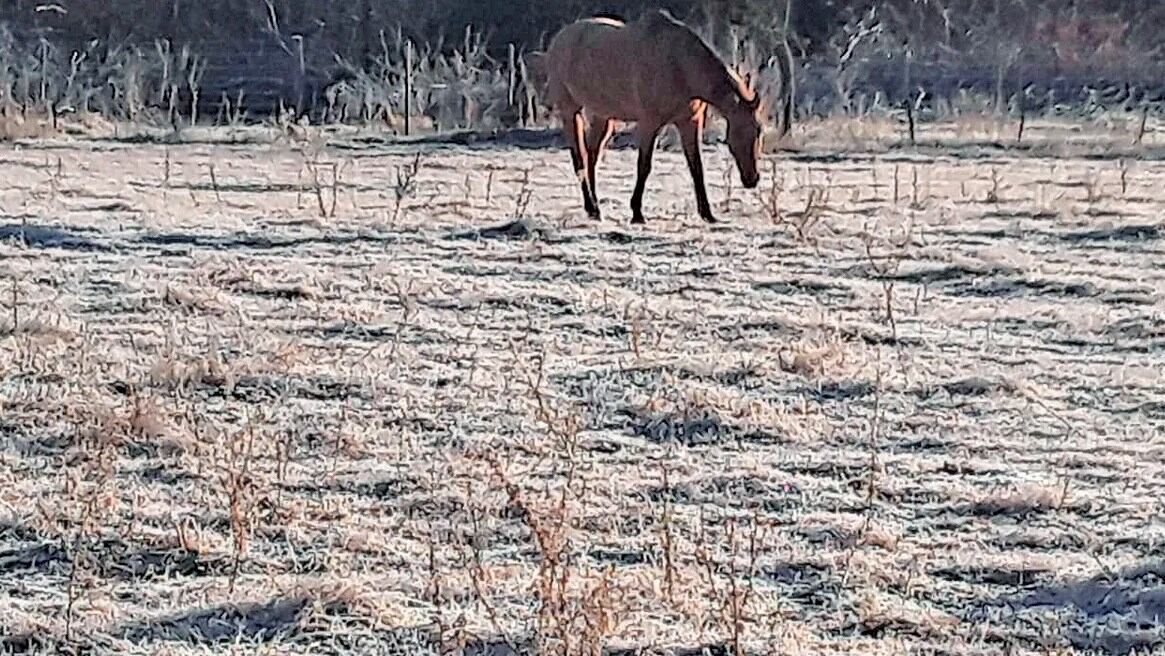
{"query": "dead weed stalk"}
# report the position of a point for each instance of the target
(474, 563)
(324, 188)
(563, 425)
(734, 597)
(214, 182)
(90, 484)
(667, 539)
(802, 223)
(872, 446)
(525, 195)
(996, 187)
(885, 267)
(406, 184)
(639, 324)
(576, 603)
(240, 487)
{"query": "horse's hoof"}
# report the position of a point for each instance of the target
(595, 215)
(708, 218)
(638, 220)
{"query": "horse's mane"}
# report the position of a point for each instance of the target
(742, 89)
(736, 84)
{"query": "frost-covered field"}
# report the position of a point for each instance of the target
(899, 401)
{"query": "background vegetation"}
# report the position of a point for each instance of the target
(346, 59)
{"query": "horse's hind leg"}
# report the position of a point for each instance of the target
(573, 127)
(598, 133)
(645, 135)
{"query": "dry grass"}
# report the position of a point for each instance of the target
(34, 125)
(414, 423)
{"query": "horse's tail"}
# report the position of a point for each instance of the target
(537, 71)
(535, 75)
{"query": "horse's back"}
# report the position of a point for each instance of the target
(618, 69)
(583, 31)
(613, 33)
(586, 62)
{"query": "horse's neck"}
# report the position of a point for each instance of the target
(722, 87)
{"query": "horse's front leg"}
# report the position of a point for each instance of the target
(573, 127)
(691, 132)
(645, 136)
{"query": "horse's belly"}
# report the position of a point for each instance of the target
(606, 93)
(614, 107)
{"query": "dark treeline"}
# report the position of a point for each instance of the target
(852, 55)
(1074, 28)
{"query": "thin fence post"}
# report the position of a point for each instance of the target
(735, 47)
(301, 83)
(528, 110)
(1022, 118)
(513, 76)
(408, 87)
(910, 121)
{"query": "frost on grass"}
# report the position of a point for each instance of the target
(469, 418)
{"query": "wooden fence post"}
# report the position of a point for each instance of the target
(1022, 117)
(513, 76)
(910, 121)
(527, 110)
(302, 104)
(408, 87)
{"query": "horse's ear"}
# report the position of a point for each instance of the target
(747, 77)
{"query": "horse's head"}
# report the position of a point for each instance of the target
(745, 129)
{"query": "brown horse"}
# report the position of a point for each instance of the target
(653, 72)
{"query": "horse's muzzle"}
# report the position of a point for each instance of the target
(750, 182)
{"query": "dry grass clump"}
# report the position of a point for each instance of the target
(1024, 500)
(820, 355)
(142, 421)
(202, 370)
(31, 318)
(43, 328)
(18, 126)
(877, 613)
(193, 299)
(181, 367)
(235, 277)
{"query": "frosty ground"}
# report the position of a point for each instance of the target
(328, 393)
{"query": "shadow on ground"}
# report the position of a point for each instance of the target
(1109, 613)
(42, 236)
(112, 558)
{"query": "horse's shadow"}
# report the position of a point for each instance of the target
(42, 236)
(1111, 612)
